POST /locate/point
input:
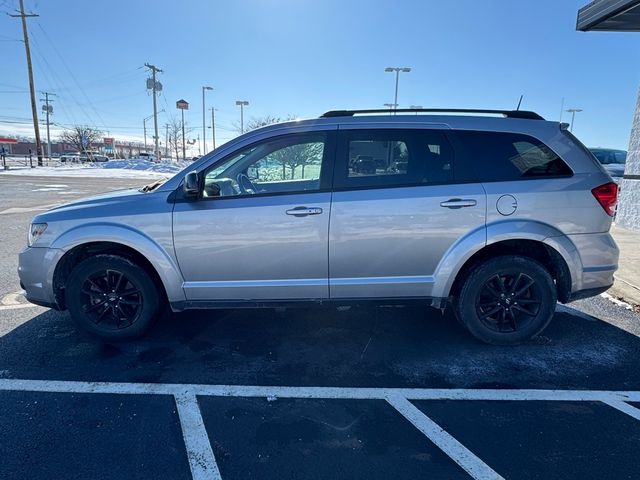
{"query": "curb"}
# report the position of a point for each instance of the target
(625, 291)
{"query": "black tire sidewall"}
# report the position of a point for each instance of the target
(465, 303)
(150, 303)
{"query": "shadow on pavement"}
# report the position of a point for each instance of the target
(364, 346)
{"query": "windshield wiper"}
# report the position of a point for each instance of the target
(152, 186)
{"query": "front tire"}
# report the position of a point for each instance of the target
(506, 300)
(112, 297)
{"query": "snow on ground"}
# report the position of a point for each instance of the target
(132, 168)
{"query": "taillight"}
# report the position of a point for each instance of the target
(607, 196)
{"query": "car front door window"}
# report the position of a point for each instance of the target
(289, 164)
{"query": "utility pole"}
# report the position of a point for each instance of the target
(48, 110)
(155, 87)
(144, 127)
(32, 89)
(204, 122)
(213, 127)
(166, 140)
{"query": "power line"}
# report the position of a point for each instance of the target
(71, 74)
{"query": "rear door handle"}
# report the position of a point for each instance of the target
(458, 203)
(304, 211)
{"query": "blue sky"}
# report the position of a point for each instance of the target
(303, 57)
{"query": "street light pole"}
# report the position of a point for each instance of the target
(213, 126)
(242, 104)
(416, 107)
(397, 70)
(204, 122)
(391, 106)
(573, 112)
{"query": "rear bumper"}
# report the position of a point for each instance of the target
(599, 257)
(35, 269)
(590, 292)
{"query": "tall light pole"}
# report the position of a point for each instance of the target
(242, 104)
(204, 122)
(573, 112)
(213, 126)
(397, 70)
(416, 107)
(391, 106)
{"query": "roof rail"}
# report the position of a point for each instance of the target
(524, 114)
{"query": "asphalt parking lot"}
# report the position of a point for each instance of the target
(385, 392)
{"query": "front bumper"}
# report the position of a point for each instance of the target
(35, 268)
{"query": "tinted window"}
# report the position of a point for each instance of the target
(608, 157)
(497, 156)
(393, 158)
(285, 164)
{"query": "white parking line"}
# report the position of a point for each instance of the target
(201, 459)
(347, 393)
(625, 408)
(444, 441)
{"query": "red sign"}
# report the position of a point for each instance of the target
(108, 141)
(182, 105)
(7, 140)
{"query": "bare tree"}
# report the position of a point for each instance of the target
(258, 122)
(290, 157)
(81, 137)
(175, 135)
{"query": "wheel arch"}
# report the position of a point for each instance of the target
(96, 239)
(541, 242)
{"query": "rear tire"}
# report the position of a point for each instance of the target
(506, 300)
(112, 297)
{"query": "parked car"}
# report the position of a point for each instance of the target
(70, 157)
(497, 218)
(147, 156)
(364, 164)
(612, 160)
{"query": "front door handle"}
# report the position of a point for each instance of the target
(304, 211)
(458, 203)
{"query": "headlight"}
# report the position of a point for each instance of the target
(35, 232)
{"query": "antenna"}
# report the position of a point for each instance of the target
(519, 102)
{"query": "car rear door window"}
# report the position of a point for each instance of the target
(501, 156)
(377, 158)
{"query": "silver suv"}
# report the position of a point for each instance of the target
(499, 214)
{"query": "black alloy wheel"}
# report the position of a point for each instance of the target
(509, 301)
(111, 299)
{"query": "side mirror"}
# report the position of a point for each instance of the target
(191, 184)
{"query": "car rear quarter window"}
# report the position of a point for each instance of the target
(502, 156)
(393, 158)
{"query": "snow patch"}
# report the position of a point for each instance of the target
(132, 168)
